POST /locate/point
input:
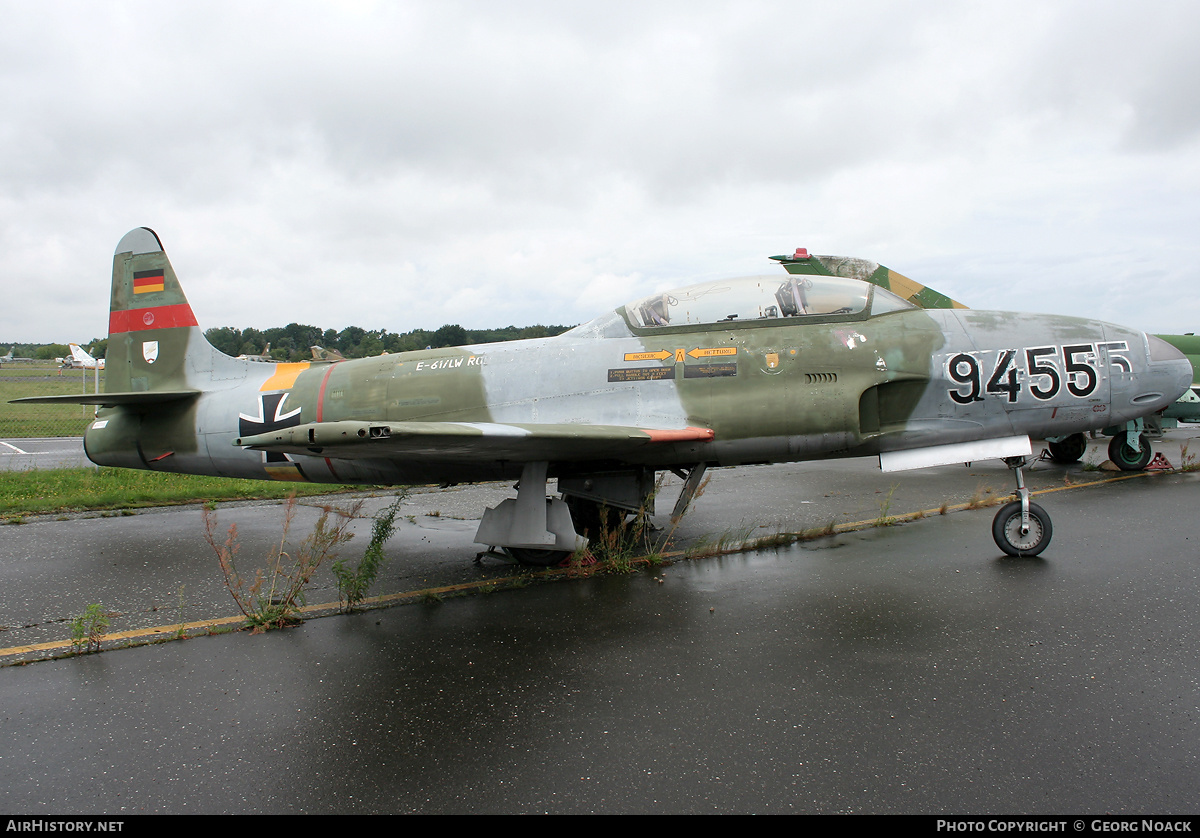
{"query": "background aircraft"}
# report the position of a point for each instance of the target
(7, 359)
(81, 359)
(320, 353)
(265, 356)
(732, 372)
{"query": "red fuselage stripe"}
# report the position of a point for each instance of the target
(321, 393)
(159, 317)
(321, 412)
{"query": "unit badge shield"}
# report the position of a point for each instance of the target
(150, 351)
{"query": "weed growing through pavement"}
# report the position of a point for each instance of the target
(353, 583)
(271, 596)
(180, 633)
(614, 547)
(884, 519)
(1187, 461)
(89, 628)
(980, 498)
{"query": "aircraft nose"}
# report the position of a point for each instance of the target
(1170, 373)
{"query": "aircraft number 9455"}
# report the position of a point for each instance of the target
(1047, 369)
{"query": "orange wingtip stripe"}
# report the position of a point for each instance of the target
(679, 435)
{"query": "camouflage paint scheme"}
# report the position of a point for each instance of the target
(919, 295)
(1185, 409)
(611, 396)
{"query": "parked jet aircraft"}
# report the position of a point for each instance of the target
(81, 359)
(265, 355)
(722, 373)
(7, 359)
(320, 353)
(1129, 448)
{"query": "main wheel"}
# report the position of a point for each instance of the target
(1125, 458)
(538, 558)
(1006, 530)
(1068, 450)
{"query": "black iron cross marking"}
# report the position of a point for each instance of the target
(270, 418)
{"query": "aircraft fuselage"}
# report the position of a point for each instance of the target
(770, 391)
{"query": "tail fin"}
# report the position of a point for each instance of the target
(82, 357)
(156, 351)
(150, 323)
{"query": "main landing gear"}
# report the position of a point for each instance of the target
(541, 531)
(1130, 452)
(1021, 528)
(1129, 449)
(535, 529)
(1067, 450)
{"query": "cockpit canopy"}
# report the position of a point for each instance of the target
(762, 298)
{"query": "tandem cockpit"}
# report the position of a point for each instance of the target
(763, 299)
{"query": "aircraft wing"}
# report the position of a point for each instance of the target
(446, 441)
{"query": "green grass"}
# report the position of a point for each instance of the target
(79, 489)
(18, 381)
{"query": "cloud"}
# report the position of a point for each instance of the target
(406, 165)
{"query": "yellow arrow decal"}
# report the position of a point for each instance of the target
(661, 355)
(711, 353)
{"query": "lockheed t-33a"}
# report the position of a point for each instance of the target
(762, 369)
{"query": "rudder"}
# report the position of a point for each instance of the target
(150, 321)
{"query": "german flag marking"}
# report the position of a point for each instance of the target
(145, 282)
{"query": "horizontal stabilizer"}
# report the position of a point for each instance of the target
(466, 440)
(138, 398)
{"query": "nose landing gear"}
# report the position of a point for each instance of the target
(1021, 528)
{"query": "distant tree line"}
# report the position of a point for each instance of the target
(293, 341)
(50, 351)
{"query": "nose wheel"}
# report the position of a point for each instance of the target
(1021, 528)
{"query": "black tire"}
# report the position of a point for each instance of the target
(1125, 458)
(1068, 450)
(1006, 530)
(538, 558)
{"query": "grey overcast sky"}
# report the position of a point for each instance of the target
(396, 165)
